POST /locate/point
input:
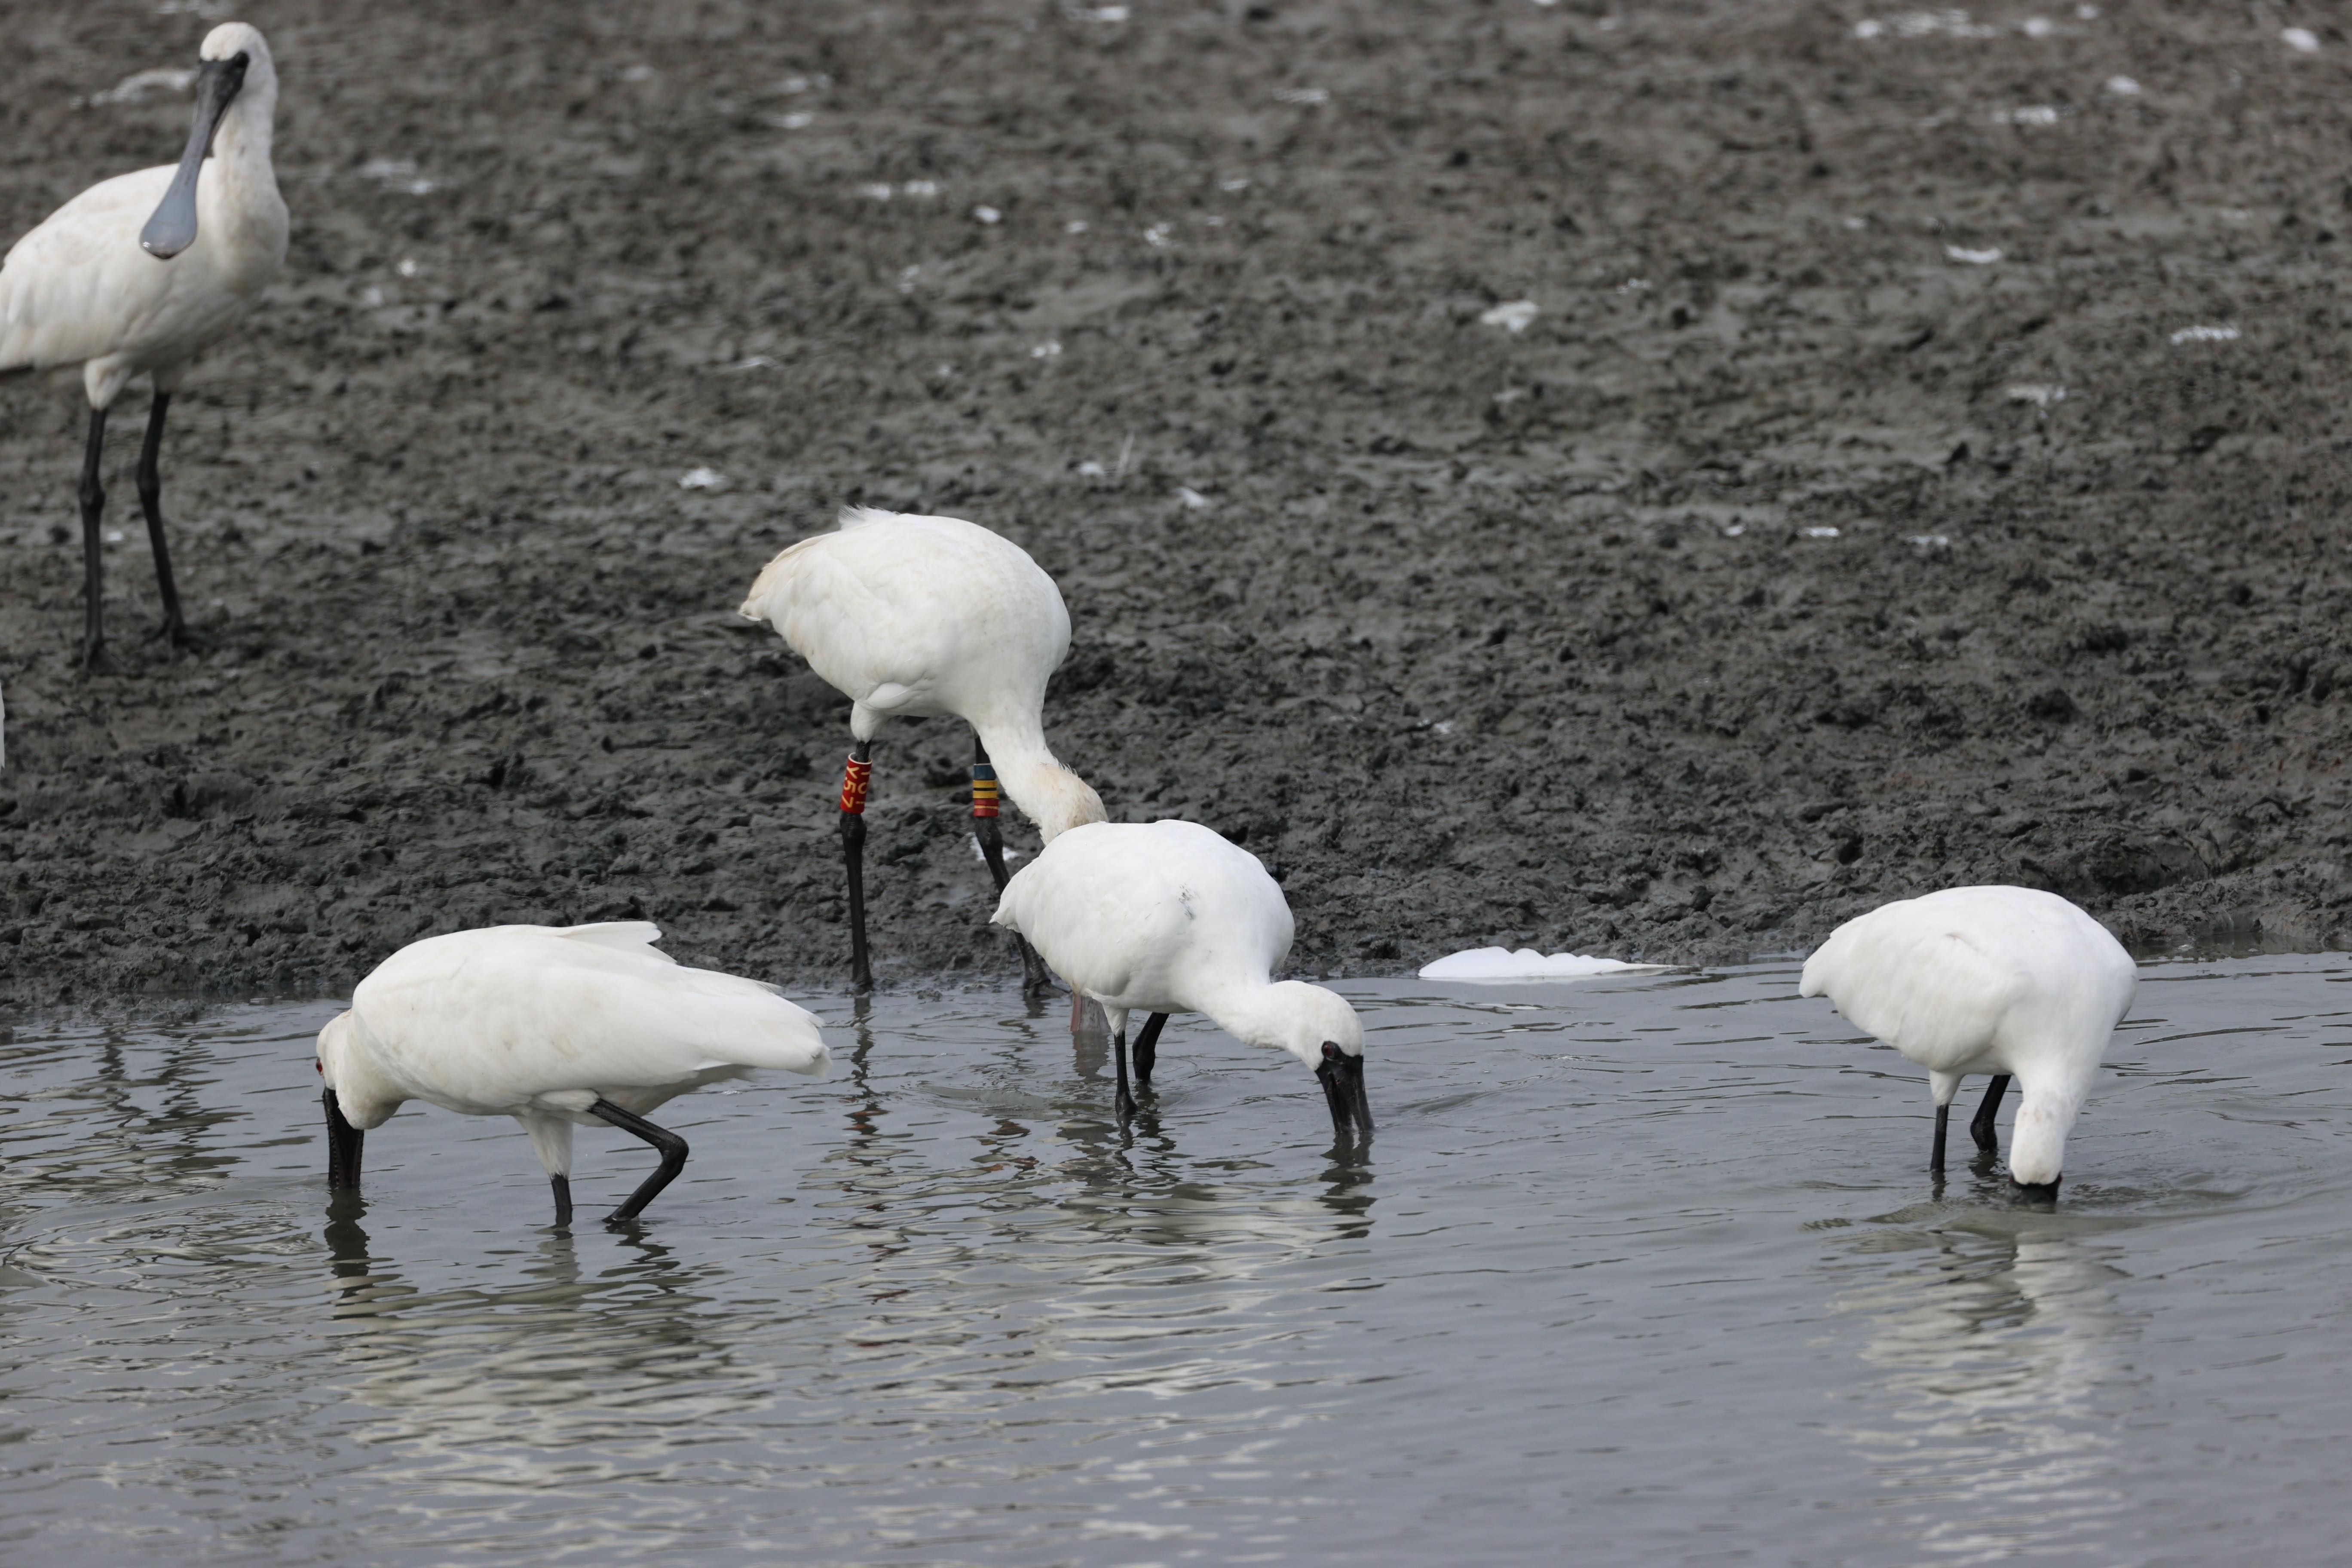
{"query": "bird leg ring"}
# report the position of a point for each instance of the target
(855, 777)
(985, 833)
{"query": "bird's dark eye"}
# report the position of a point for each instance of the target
(1331, 1052)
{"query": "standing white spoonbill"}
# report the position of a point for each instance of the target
(554, 1027)
(140, 273)
(1167, 917)
(2006, 980)
(931, 616)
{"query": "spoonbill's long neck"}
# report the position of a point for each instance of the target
(1249, 1009)
(1048, 794)
(241, 208)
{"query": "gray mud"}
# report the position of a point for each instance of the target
(1479, 636)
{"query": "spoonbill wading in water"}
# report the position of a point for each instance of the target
(2006, 980)
(931, 616)
(555, 1027)
(1167, 917)
(140, 273)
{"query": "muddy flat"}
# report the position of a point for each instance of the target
(1653, 483)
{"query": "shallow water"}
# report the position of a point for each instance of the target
(1636, 1269)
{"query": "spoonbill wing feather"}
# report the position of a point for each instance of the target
(487, 1019)
(1905, 976)
(626, 936)
(70, 287)
(1152, 912)
(960, 619)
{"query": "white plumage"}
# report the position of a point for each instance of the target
(932, 617)
(140, 273)
(2006, 980)
(1167, 917)
(544, 1023)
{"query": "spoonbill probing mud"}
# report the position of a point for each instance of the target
(931, 616)
(140, 273)
(1167, 917)
(2007, 981)
(555, 1027)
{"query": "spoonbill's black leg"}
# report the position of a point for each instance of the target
(1126, 1095)
(1935, 1155)
(175, 630)
(344, 1142)
(855, 777)
(984, 830)
(563, 1186)
(93, 509)
(1147, 1047)
(673, 1157)
(1980, 1127)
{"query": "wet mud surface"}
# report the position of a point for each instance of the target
(1474, 635)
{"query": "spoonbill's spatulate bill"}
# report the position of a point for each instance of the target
(140, 273)
(2007, 981)
(1167, 917)
(931, 616)
(554, 1027)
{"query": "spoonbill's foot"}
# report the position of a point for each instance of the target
(181, 638)
(97, 661)
(563, 1186)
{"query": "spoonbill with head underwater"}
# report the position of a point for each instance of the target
(1169, 917)
(140, 273)
(931, 616)
(555, 1027)
(2007, 981)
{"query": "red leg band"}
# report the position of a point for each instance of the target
(853, 777)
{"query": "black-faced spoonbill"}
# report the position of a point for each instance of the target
(554, 1027)
(1167, 917)
(931, 616)
(140, 273)
(2006, 980)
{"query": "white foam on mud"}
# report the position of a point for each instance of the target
(2205, 335)
(1050, 348)
(1193, 499)
(2037, 394)
(2123, 87)
(1973, 257)
(798, 119)
(1306, 96)
(2302, 40)
(1823, 532)
(1512, 318)
(987, 215)
(2033, 114)
(1925, 24)
(1490, 964)
(701, 479)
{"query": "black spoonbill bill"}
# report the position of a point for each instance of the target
(554, 1027)
(931, 616)
(2006, 980)
(1167, 917)
(140, 273)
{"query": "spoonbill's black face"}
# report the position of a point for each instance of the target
(1343, 1088)
(173, 228)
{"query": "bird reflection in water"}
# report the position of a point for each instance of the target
(1990, 1355)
